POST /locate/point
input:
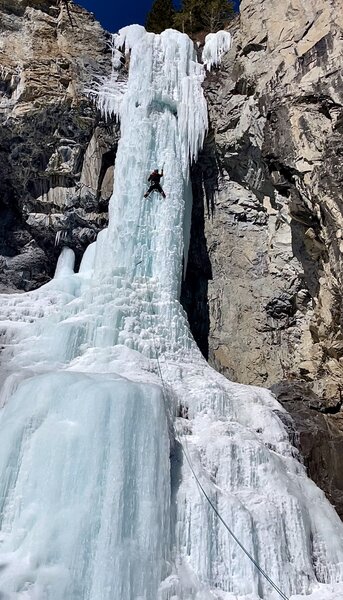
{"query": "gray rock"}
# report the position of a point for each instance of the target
(263, 288)
(55, 151)
(272, 177)
(317, 431)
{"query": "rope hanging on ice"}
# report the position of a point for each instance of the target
(200, 487)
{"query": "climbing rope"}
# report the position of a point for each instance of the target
(200, 486)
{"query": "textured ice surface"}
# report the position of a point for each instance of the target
(216, 44)
(96, 499)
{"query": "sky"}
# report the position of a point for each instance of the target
(114, 14)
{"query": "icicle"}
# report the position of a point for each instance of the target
(65, 263)
(216, 45)
(60, 236)
(109, 92)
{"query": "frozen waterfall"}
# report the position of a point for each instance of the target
(97, 501)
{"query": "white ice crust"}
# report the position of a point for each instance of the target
(129, 37)
(216, 45)
(97, 501)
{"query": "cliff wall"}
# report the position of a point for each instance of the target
(55, 151)
(264, 285)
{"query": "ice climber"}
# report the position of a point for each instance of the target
(154, 179)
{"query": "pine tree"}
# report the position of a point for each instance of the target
(218, 13)
(203, 15)
(188, 18)
(161, 16)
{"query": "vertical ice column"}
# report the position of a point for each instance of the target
(84, 489)
(163, 117)
(85, 453)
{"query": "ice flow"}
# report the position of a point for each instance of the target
(96, 499)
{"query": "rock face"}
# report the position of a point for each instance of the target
(55, 151)
(317, 431)
(271, 176)
(266, 252)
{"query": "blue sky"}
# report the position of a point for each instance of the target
(114, 14)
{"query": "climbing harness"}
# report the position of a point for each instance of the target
(200, 487)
